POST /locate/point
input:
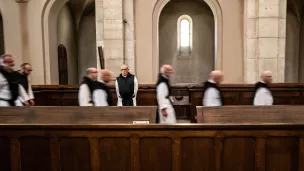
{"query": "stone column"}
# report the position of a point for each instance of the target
(99, 28)
(109, 33)
(129, 44)
(265, 30)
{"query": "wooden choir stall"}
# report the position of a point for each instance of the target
(57, 135)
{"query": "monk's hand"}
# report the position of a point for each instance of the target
(32, 102)
(26, 103)
(164, 112)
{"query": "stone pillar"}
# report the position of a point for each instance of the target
(109, 33)
(265, 30)
(129, 50)
(99, 28)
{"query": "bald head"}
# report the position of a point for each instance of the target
(124, 70)
(217, 76)
(166, 70)
(92, 73)
(266, 76)
(105, 75)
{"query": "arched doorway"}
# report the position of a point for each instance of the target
(2, 50)
(294, 54)
(187, 40)
(69, 23)
(63, 72)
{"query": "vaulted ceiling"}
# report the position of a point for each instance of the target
(80, 8)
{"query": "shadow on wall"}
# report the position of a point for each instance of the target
(188, 46)
(2, 50)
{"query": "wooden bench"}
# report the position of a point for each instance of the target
(251, 114)
(77, 115)
(152, 147)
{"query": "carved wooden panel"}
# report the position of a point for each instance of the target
(35, 154)
(238, 154)
(155, 154)
(75, 154)
(282, 154)
(115, 150)
(197, 154)
(5, 161)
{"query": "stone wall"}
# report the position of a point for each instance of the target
(265, 25)
(115, 33)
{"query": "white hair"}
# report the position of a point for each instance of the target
(2, 59)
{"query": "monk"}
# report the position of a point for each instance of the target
(262, 93)
(9, 81)
(26, 93)
(165, 111)
(86, 88)
(102, 95)
(126, 87)
(212, 92)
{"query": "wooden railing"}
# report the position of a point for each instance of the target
(152, 147)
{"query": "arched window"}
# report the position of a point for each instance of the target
(184, 34)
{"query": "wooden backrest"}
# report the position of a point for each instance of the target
(250, 114)
(213, 147)
(76, 115)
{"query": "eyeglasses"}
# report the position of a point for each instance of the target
(124, 69)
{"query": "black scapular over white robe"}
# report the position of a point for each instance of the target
(262, 95)
(163, 101)
(9, 87)
(126, 90)
(101, 95)
(212, 94)
(85, 92)
(25, 89)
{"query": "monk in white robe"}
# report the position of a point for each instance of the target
(86, 88)
(262, 93)
(25, 88)
(126, 86)
(165, 111)
(212, 93)
(9, 83)
(102, 95)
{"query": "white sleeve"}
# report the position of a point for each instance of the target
(30, 92)
(117, 89)
(23, 93)
(3, 81)
(100, 98)
(135, 86)
(262, 97)
(212, 97)
(162, 92)
(84, 96)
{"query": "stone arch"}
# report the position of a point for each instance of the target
(218, 20)
(294, 54)
(49, 19)
(51, 26)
